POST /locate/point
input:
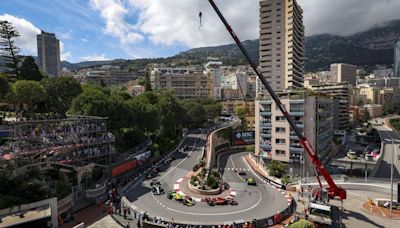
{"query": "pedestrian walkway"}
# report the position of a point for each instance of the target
(87, 215)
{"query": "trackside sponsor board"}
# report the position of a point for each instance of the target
(243, 138)
(131, 164)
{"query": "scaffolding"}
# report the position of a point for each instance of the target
(73, 140)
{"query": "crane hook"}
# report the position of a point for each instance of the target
(200, 15)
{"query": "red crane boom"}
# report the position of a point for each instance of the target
(333, 190)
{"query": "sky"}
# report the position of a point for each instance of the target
(130, 29)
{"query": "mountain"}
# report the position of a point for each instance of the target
(370, 47)
(366, 48)
(85, 64)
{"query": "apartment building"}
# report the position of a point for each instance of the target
(374, 110)
(313, 114)
(341, 97)
(48, 48)
(186, 82)
(215, 68)
(281, 45)
(342, 72)
(363, 95)
(386, 82)
(109, 77)
(229, 108)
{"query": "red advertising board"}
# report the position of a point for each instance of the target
(131, 164)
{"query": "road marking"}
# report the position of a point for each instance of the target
(173, 168)
(179, 180)
(237, 173)
(176, 186)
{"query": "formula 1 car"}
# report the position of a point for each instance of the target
(221, 201)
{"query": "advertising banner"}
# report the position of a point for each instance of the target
(131, 164)
(243, 138)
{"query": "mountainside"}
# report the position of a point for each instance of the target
(374, 46)
(74, 66)
(367, 48)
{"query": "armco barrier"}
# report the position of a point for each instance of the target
(357, 186)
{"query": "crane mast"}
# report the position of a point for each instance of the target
(334, 191)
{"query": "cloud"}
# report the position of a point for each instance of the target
(64, 55)
(115, 12)
(344, 17)
(65, 35)
(170, 22)
(95, 57)
(27, 39)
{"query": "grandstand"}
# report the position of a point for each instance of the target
(72, 140)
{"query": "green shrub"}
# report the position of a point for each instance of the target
(276, 169)
(212, 181)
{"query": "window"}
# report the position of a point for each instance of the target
(280, 130)
(280, 152)
(280, 118)
(280, 141)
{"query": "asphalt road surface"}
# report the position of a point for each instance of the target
(254, 201)
(389, 153)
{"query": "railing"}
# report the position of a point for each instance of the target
(65, 204)
(264, 113)
(93, 193)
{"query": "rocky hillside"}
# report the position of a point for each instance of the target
(374, 46)
(367, 48)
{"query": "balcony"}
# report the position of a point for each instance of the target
(296, 149)
(294, 137)
(265, 124)
(266, 147)
(263, 113)
(266, 135)
(297, 101)
(297, 112)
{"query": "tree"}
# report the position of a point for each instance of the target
(60, 91)
(144, 114)
(196, 115)
(147, 86)
(9, 51)
(141, 81)
(171, 115)
(29, 70)
(276, 169)
(241, 113)
(4, 86)
(212, 110)
(29, 93)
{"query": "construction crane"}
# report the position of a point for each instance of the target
(333, 190)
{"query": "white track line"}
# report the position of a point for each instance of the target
(169, 171)
(236, 172)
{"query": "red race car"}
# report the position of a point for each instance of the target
(221, 201)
